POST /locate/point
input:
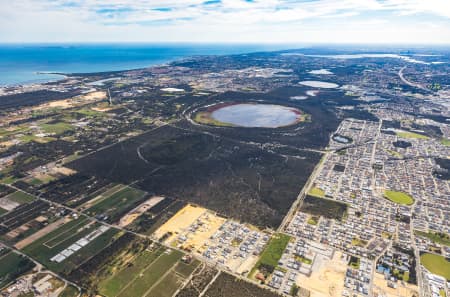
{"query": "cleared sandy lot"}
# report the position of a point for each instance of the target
(381, 288)
(140, 209)
(327, 280)
(180, 223)
(8, 204)
(23, 243)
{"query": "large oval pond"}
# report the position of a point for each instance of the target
(257, 115)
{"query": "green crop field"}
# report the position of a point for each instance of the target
(151, 275)
(114, 284)
(2, 211)
(48, 246)
(436, 264)
(118, 203)
(166, 286)
(398, 197)
(186, 269)
(273, 251)
(13, 265)
(411, 135)
(20, 197)
(445, 141)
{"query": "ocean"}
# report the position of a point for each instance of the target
(22, 63)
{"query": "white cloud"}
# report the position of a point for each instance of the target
(230, 20)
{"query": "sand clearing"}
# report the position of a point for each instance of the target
(180, 222)
(135, 213)
(98, 95)
(381, 288)
(210, 223)
(53, 226)
(327, 280)
(63, 170)
(72, 102)
(7, 204)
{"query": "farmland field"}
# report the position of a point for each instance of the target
(13, 265)
(155, 273)
(166, 286)
(119, 203)
(58, 240)
(151, 275)
(116, 283)
(20, 197)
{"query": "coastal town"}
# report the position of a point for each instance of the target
(174, 181)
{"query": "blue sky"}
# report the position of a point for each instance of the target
(244, 21)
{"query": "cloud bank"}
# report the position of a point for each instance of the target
(271, 21)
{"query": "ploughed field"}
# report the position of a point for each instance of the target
(234, 178)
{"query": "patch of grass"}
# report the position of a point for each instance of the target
(90, 113)
(8, 180)
(28, 138)
(445, 141)
(58, 128)
(354, 262)
(406, 276)
(436, 264)
(20, 197)
(317, 192)
(274, 250)
(411, 135)
(441, 238)
(394, 153)
(118, 203)
(303, 259)
(13, 265)
(2, 211)
(69, 291)
(398, 197)
(186, 269)
(358, 242)
(386, 235)
(42, 180)
(313, 220)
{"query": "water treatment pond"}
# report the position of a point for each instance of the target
(257, 115)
